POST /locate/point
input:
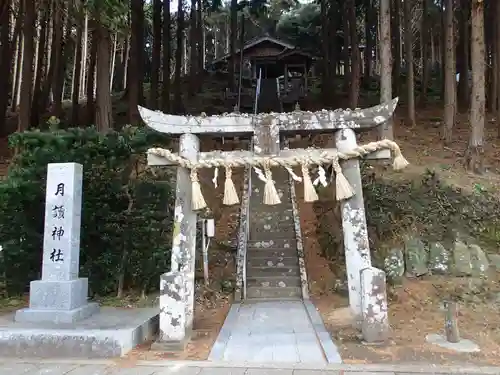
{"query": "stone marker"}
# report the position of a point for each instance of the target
(462, 262)
(439, 259)
(416, 257)
(394, 266)
(375, 324)
(60, 296)
(479, 261)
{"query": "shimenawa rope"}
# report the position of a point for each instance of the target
(271, 197)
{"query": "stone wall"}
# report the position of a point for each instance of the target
(460, 257)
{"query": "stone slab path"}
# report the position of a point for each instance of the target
(274, 331)
(82, 367)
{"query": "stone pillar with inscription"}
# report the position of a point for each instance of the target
(60, 296)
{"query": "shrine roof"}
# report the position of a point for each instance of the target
(262, 40)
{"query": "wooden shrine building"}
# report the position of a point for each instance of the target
(283, 63)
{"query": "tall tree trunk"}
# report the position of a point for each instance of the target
(450, 80)
(232, 43)
(475, 151)
(19, 74)
(167, 53)
(60, 50)
(463, 55)
(425, 52)
(113, 60)
(121, 77)
(497, 52)
(370, 23)
(489, 50)
(141, 56)
(347, 54)
(85, 43)
(75, 95)
(386, 130)
(134, 80)
(193, 50)
(410, 82)
(332, 47)
(103, 92)
(27, 72)
(396, 43)
(355, 57)
(6, 54)
(16, 74)
(91, 79)
(326, 71)
(178, 58)
(156, 55)
(200, 27)
(39, 103)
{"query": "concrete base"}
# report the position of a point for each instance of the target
(56, 316)
(463, 346)
(172, 346)
(111, 332)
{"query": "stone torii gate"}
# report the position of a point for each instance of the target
(177, 286)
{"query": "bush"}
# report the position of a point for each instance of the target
(126, 214)
(430, 208)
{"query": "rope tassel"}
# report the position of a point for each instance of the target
(342, 187)
(310, 194)
(197, 200)
(230, 194)
(399, 161)
(271, 196)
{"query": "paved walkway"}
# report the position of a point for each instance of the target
(274, 331)
(79, 367)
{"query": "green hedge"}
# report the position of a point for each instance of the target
(126, 213)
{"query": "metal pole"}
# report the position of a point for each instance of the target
(241, 60)
(204, 250)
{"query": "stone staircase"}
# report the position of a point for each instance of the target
(268, 100)
(272, 259)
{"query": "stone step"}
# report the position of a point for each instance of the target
(259, 209)
(273, 281)
(271, 261)
(265, 232)
(261, 237)
(273, 293)
(271, 226)
(275, 219)
(272, 271)
(277, 243)
(275, 255)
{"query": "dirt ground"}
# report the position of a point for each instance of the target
(415, 310)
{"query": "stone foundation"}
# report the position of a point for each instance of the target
(111, 332)
(57, 302)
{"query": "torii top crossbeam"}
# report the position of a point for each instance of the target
(296, 121)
